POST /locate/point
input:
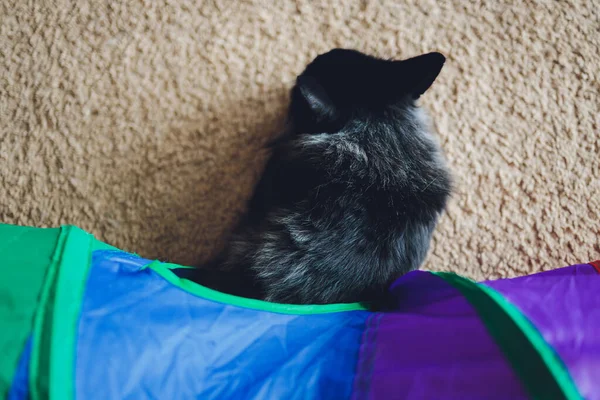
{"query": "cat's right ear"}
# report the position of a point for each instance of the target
(315, 97)
(420, 72)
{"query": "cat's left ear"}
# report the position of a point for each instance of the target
(420, 72)
(316, 98)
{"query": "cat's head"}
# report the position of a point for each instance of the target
(341, 83)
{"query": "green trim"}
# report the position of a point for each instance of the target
(98, 245)
(540, 369)
(177, 266)
(39, 365)
(55, 331)
(70, 286)
(165, 270)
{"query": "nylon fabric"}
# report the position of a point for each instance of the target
(141, 337)
(26, 254)
(143, 332)
(433, 346)
(19, 389)
(564, 305)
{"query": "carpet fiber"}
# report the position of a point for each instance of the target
(143, 121)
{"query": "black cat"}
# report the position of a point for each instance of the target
(352, 193)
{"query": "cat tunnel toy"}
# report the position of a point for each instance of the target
(83, 320)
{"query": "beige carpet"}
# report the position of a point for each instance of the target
(143, 122)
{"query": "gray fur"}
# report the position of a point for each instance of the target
(351, 195)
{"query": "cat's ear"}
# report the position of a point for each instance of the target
(317, 100)
(419, 72)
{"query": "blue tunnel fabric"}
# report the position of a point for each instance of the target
(19, 389)
(141, 337)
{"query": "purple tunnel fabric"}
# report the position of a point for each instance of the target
(434, 346)
(564, 305)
